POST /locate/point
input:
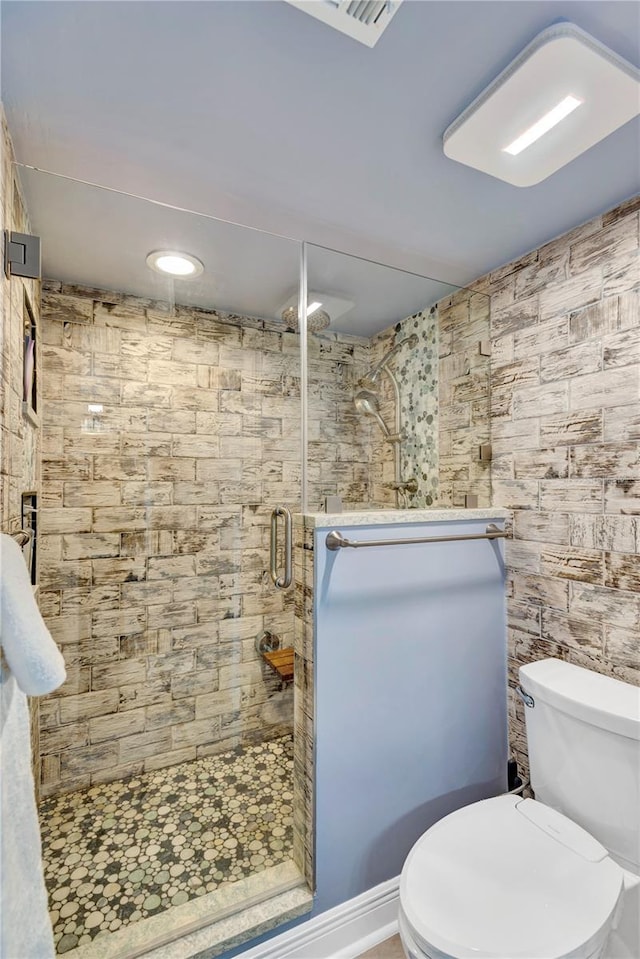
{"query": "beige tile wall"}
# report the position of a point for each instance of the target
(19, 431)
(565, 424)
(382, 455)
(168, 438)
(339, 441)
(464, 397)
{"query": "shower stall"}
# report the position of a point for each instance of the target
(182, 419)
(170, 431)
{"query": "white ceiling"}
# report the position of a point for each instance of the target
(258, 114)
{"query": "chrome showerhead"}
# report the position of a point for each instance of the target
(366, 402)
(318, 320)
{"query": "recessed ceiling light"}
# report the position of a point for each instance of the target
(561, 69)
(543, 125)
(312, 307)
(170, 263)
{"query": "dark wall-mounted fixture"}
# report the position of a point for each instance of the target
(21, 255)
(29, 520)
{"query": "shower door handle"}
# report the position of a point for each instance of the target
(281, 582)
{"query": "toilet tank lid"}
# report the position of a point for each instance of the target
(595, 699)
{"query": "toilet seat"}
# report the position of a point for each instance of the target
(509, 878)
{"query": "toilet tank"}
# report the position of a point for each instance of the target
(583, 736)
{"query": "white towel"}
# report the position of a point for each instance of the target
(32, 664)
(30, 652)
(25, 926)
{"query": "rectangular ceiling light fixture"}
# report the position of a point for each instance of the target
(544, 124)
(532, 106)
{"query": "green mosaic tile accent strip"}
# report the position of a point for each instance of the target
(117, 853)
(417, 374)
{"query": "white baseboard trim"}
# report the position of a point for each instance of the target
(344, 932)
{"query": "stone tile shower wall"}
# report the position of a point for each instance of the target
(168, 439)
(339, 440)
(565, 419)
(19, 428)
(464, 397)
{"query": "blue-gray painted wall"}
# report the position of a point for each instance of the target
(411, 716)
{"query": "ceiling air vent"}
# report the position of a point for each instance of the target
(363, 20)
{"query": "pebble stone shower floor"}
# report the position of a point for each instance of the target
(123, 851)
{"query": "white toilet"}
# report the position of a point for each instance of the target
(557, 877)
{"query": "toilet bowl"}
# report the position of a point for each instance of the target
(508, 878)
(556, 877)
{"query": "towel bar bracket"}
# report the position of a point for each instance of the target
(22, 536)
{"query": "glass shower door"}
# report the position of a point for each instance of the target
(170, 429)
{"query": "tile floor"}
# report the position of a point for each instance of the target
(124, 851)
(389, 949)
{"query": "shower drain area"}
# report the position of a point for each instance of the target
(125, 851)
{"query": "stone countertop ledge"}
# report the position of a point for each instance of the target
(394, 517)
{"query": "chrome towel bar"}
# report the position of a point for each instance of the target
(335, 540)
